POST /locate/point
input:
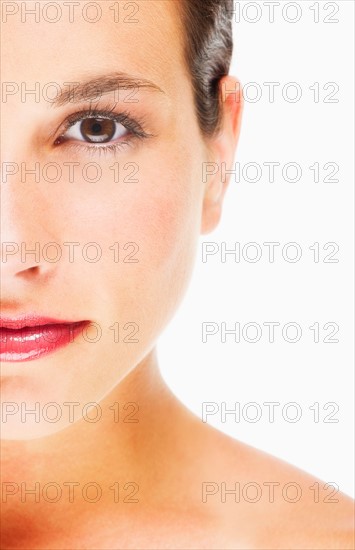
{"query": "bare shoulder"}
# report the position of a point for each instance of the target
(263, 502)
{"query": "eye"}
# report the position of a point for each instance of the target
(96, 130)
(101, 130)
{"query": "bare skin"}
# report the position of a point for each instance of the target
(170, 466)
(171, 455)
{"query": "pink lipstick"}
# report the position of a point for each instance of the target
(30, 337)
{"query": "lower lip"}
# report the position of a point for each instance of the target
(28, 343)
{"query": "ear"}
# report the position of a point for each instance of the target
(222, 150)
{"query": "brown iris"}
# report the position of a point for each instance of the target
(98, 130)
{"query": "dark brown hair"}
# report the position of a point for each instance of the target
(208, 51)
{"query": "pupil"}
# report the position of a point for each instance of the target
(96, 128)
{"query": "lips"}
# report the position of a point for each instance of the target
(31, 337)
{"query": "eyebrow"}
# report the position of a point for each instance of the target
(94, 88)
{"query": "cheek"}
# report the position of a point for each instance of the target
(168, 216)
(160, 213)
(165, 224)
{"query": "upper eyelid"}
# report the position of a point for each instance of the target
(99, 113)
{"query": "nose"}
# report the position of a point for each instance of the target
(25, 233)
(28, 211)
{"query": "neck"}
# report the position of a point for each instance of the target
(118, 456)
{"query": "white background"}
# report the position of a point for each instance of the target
(305, 212)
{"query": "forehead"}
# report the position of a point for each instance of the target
(60, 41)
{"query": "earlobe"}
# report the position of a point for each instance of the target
(222, 146)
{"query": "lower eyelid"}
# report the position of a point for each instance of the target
(92, 149)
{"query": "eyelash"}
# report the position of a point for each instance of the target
(133, 126)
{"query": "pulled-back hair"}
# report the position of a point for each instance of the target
(208, 51)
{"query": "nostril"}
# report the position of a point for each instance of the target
(28, 272)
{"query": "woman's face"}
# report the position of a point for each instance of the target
(116, 207)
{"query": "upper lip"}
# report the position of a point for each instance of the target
(31, 320)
